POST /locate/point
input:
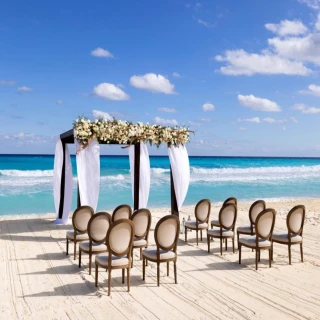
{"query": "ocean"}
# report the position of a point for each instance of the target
(26, 181)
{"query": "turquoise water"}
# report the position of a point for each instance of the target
(26, 181)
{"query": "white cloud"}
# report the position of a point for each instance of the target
(306, 109)
(287, 27)
(258, 104)
(271, 120)
(194, 123)
(110, 92)
(242, 129)
(254, 120)
(24, 89)
(8, 82)
(293, 119)
(59, 102)
(208, 107)
(206, 119)
(240, 62)
(314, 4)
(100, 114)
(101, 53)
(23, 138)
(165, 122)
(176, 75)
(204, 23)
(152, 82)
(313, 90)
(168, 110)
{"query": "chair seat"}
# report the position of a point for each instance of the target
(215, 223)
(95, 246)
(152, 254)
(245, 229)
(192, 225)
(80, 236)
(139, 242)
(216, 233)
(283, 237)
(251, 242)
(102, 260)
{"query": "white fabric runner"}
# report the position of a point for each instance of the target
(180, 167)
(88, 168)
(68, 182)
(144, 180)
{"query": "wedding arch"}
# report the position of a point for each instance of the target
(87, 135)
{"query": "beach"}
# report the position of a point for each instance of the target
(39, 281)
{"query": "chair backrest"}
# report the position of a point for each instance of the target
(202, 210)
(265, 224)
(81, 217)
(166, 232)
(228, 216)
(120, 237)
(257, 207)
(142, 221)
(230, 200)
(98, 227)
(123, 211)
(295, 219)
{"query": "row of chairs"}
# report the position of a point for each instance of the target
(258, 234)
(112, 240)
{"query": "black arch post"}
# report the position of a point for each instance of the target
(136, 176)
(174, 205)
(63, 177)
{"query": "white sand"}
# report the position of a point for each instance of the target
(38, 280)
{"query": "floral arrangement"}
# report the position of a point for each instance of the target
(124, 132)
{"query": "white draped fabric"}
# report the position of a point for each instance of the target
(144, 178)
(68, 182)
(88, 168)
(180, 167)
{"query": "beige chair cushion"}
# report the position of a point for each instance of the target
(251, 242)
(245, 229)
(139, 242)
(215, 223)
(80, 236)
(283, 237)
(152, 254)
(95, 246)
(216, 233)
(192, 225)
(102, 260)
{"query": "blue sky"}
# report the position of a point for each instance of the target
(243, 74)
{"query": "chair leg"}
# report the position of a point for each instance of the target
(197, 237)
(226, 244)
(238, 239)
(75, 250)
(67, 244)
(301, 252)
(96, 269)
(233, 244)
(140, 253)
(143, 268)
(289, 250)
(128, 279)
(79, 258)
(158, 274)
(257, 252)
(272, 250)
(175, 272)
(109, 282)
(185, 234)
(239, 254)
(122, 275)
(269, 258)
(201, 235)
(90, 262)
(168, 268)
(221, 246)
(132, 258)
(208, 241)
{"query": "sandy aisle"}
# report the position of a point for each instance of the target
(38, 281)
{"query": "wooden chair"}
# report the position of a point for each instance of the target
(225, 231)
(97, 230)
(123, 211)
(119, 241)
(141, 219)
(166, 237)
(262, 239)
(80, 219)
(295, 223)
(257, 207)
(202, 214)
(215, 223)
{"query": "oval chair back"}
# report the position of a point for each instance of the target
(231, 200)
(228, 216)
(98, 227)
(265, 224)
(120, 238)
(202, 210)
(81, 217)
(257, 207)
(295, 220)
(166, 233)
(142, 221)
(123, 211)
